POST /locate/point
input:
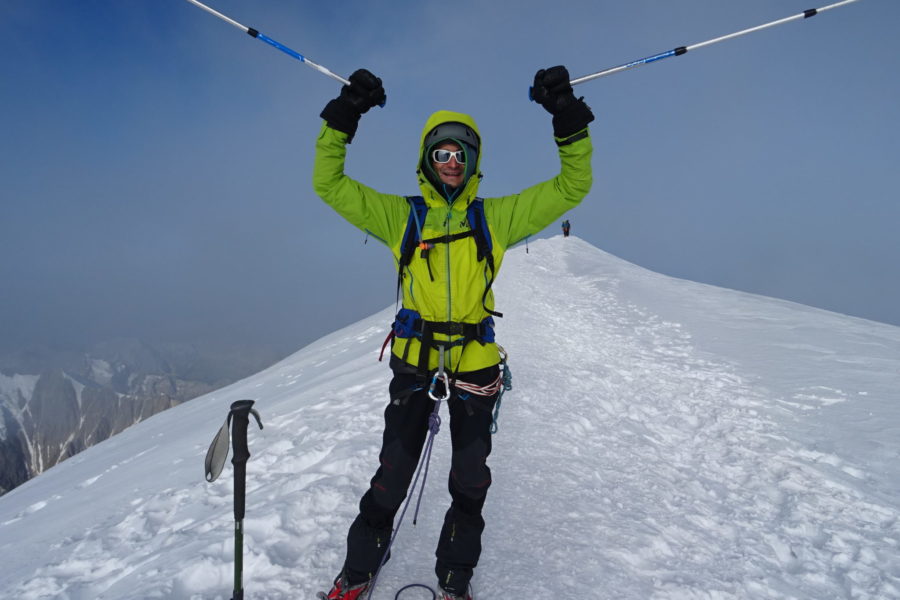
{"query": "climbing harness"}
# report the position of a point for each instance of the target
(408, 323)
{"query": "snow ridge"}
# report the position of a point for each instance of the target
(639, 456)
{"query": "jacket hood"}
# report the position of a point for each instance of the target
(470, 188)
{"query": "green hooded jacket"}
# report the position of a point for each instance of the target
(451, 287)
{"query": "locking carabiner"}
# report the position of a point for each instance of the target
(439, 375)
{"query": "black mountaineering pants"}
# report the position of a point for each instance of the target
(405, 431)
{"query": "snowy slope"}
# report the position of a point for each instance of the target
(663, 440)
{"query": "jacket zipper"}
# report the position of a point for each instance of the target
(447, 231)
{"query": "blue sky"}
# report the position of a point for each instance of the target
(156, 162)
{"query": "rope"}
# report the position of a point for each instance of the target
(412, 585)
(434, 426)
(480, 390)
(505, 387)
(433, 593)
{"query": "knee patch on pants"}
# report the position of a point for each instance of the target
(470, 475)
(392, 480)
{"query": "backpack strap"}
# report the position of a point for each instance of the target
(412, 237)
(478, 228)
(418, 209)
(485, 245)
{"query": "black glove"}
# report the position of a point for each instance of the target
(553, 91)
(364, 92)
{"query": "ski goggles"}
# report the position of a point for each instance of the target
(444, 156)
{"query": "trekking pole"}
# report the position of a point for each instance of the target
(215, 460)
(685, 49)
(264, 38)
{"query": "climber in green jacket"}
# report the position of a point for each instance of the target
(446, 321)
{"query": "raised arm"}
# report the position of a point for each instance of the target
(381, 215)
(517, 216)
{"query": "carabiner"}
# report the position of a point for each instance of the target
(440, 375)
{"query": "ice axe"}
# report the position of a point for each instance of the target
(239, 415)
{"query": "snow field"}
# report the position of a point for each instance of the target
(635, 458)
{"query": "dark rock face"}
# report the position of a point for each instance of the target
(14, 456)
(77, 401)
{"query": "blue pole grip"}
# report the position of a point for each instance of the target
(280, 46)
(292, 53)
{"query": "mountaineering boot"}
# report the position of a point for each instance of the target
(343, 590)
